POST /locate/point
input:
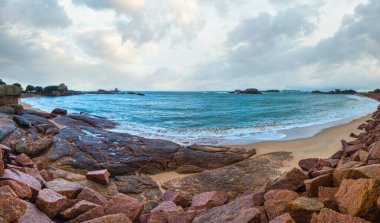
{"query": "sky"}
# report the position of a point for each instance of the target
(184, 45)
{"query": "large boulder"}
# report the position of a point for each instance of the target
(88, 215)
(162, 212)
(291, 180)
(50, 202)
(22, 122)
(78, 209)
(312, 185)
(248, 175)
(276, 201)
(113, 218)
(284, 218)
(209, 200)
(34, 147)
(21, 189)
(59, 111)
(87, 194)
(64, 187)
(124, 204)
(32, 214)
(307, 164)
(358, 198)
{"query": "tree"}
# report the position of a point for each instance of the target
(29, 88)
(2, 82)
(50, 89)
(38, 89)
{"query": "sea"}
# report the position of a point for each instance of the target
(217, 117)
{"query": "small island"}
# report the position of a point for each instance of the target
(336, 91)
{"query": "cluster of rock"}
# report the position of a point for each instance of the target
(336, 91)
(247, 91)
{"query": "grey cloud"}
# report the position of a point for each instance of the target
(36, 13)
(267, 46)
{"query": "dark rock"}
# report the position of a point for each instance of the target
(50, 202)
(34, 147)
(123, 154)
(59, 111)
(276, 201)
(292, 180)
(249, 175)
(99, 176)
(90, 195)
(188, 169)
(7, 110)
(41, 114)
(21, 121)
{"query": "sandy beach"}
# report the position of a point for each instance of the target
(321, 145)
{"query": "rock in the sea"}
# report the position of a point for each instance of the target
(124, 204)
(113, 218)
(248, 175)
(276, 201)
(21, 121)
(99, 176)
(50, 202)
(90, 195)
(330, 216)
(241, 210)
(78, 209)
(64, 187)
(284, 218)
(291, 180)
(11, 207)
(209, 200)
(22, 190)
(313, 184)
(24, 160)
(12, 174)
(358, 198)
(302, 208)
(59, 111)
(124, 154)
(33, 215)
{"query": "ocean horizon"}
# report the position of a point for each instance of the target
(216, 117)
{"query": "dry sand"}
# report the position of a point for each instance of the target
(321, 145)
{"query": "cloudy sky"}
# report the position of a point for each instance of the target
(191, 44)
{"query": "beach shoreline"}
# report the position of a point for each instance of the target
(322, 143)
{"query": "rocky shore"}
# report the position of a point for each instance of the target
(59, 167)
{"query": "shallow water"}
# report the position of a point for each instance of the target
(214, 117)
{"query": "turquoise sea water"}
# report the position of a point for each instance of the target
(216, 117)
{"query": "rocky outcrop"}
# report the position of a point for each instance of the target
(248, 175)
(9, 94)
